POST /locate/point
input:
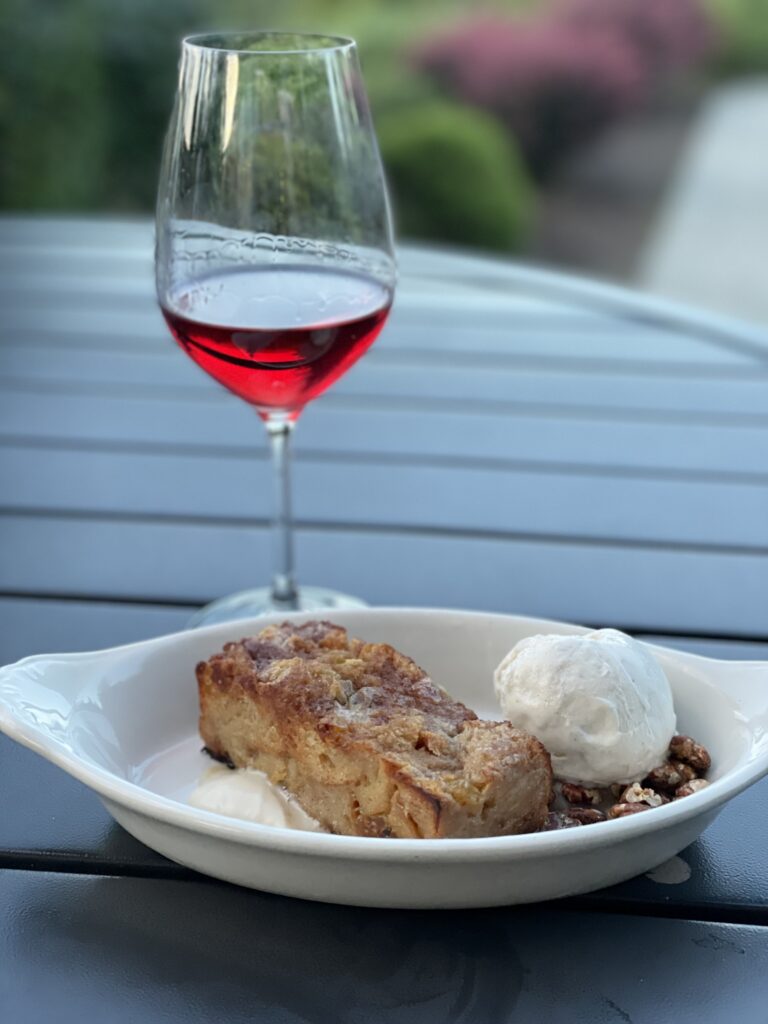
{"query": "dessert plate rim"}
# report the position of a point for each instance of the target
(136, 797)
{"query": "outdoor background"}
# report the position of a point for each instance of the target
(626, 139)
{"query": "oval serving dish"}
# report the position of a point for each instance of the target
(124, 722)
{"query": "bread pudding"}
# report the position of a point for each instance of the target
(365, 741)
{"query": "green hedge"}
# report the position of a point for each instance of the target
(54, 119)
(743, 31)
(86, 87)
(455, 176)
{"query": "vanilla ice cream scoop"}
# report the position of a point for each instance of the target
(248, 794)
(600, 703)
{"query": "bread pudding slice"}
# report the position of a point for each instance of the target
(365, 741)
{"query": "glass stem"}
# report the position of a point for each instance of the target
(285, 593)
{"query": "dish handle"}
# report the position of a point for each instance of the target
(37, 700)
(746, 682)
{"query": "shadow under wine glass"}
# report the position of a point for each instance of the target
(275, 263)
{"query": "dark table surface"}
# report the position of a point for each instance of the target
(516, 442)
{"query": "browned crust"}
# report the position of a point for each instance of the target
(365, 740)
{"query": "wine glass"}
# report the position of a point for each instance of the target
(274, 259)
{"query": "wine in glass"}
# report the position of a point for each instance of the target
(274, 261)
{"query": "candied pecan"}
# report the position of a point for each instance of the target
(623, 810)
(586, 815)
(576, 794)
(556, 820)
(689, 788)
(683, 748)
(669, 775)
(637, 794)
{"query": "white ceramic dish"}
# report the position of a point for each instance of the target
(124, 722)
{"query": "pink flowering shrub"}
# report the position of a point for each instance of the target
(668, 35)
(557, 80)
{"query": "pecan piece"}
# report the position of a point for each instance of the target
(669, 776)
(576, 794)
(624, 810)
(689, 788)
(683, 748)
(586, 815)
(637, 794)
(556, 820)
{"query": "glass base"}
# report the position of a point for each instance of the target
(251, 603)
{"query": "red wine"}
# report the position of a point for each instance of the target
(277, 336)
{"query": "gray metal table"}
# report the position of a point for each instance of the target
(515, 441)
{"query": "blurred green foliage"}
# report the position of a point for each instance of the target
(456, 176)
(86, 85)
(86, 88)
(743, 27)
(85, 91)
(54, 115)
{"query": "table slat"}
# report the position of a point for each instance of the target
(440, 339)
(379, 377)
(469, 498)
(81, 948)
(671, 589)
(374, 432)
